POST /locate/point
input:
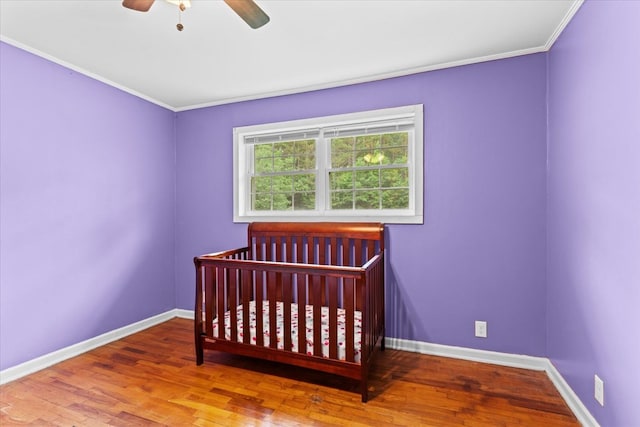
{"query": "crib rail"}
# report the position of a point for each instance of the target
(228, 280)
(324, 243)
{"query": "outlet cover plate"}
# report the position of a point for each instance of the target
(481, 328)
(599, 389)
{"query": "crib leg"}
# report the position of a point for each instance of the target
(364, 380)
(199, 353)
(198, 345)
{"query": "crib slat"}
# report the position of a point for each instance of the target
(299, 249)
(349, 307)
(258, 252)
(322, 251)
(233, 312)
(286, 303)
(358, 253)
(268, 249)
(367, 325)
(278, 244)
(317, 316)
(371, 247)
(311, 259)
(333, 318)
(346, 251)
(272, 297)
(210, 299)
(334, 251)
(246, 297)
(288, 253)
(302, 301)
(221, 302)
(259, 301)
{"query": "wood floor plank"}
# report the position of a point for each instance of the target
(150, 378)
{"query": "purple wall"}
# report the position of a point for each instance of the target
(593, 312)
(87, 207)
(481, 251)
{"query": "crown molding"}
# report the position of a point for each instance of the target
(365, 79)
(84, 72)
(563, 24)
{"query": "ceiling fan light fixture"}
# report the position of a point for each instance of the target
(185, 3)
(247, 10)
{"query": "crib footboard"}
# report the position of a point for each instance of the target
(318, 316)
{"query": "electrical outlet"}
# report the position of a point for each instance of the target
(481, 328)
(599, 390)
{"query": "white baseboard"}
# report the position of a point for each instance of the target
(484, 356)
(580, 411)
(503, 359)
(39, 363)
(185, 314)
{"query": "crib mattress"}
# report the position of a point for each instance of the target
(294, 328)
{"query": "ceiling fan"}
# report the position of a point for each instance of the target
(246, 9)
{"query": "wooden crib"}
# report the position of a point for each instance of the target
(330, 276)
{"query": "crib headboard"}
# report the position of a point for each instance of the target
(325, 243)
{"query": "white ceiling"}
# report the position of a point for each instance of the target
(309, 44)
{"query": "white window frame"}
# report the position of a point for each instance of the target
(242, 166)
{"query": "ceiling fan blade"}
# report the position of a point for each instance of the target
(249, 12)
(139, 5)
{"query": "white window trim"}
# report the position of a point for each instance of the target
(241, 179)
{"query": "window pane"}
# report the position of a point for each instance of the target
(282, 183)
(261, 202)
(306, 147)
(284, 164)
(393, 178)
(304, 183)
(368, 178)
(395, 199)
(367, 142)
(399, 139)
(304, 201)
(282, 201)
(396, 156)
(264, 164)
(342, 144)
(342, 152)
(304, 162)
(373, 158)
(285, 156)
(366, 159)
(342, 200)
(263, 150)
(369, 199)
(341, 180)
(281, 187)
(260, 184)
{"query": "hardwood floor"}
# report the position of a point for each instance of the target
(151, 378)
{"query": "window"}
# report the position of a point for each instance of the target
(362, 166)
